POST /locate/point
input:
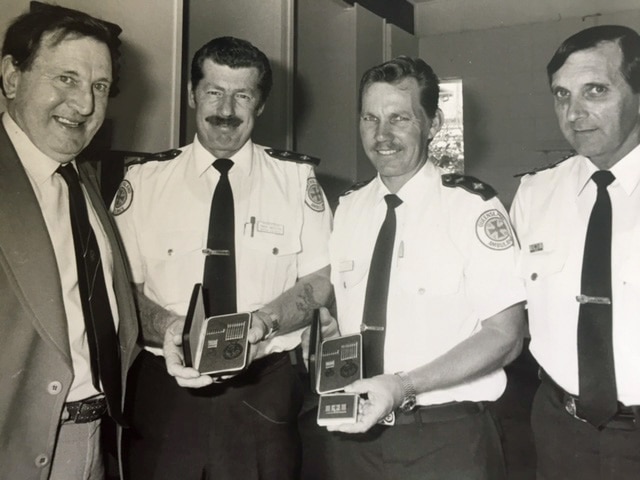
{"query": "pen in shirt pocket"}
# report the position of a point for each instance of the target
(252, 225)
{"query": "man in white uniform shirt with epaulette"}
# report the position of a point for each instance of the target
(423, 264)
(578, 222)
(169, 209)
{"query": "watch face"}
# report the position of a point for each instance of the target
(408, 404)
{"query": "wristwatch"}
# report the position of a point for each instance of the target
(274, 327)
(408, 392)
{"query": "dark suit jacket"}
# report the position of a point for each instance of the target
(35, 361)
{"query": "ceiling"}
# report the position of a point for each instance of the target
(443, 16)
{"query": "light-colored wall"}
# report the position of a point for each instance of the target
(509, 122)
(145, 115)
(268, 24)
(433, 17)
(335, 44)
(399, 42)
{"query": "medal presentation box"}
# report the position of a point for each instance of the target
(334, 363)
(337, 408)
(214, 345)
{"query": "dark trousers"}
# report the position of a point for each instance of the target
(466, 448)
(245, 428)
(569, 449)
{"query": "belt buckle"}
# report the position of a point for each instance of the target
(81, 405)
(570, 407)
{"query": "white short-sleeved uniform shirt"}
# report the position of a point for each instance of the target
(282, 226)
(550, 213)
(453, 266)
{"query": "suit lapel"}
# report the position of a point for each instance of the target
(27, 249)
(127, 330)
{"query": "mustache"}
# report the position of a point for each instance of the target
(218, 121)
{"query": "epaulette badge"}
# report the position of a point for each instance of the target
(139, 159)
(356, 186)
(470, 184)
(292, 156)
(545, 167)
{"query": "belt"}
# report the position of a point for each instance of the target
(85, 411)
(437, 413)
(626, 418)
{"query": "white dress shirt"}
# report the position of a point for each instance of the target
(53, 197)
(550, 214)
(279, 238)
(447, 274)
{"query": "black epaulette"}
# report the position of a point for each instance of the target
(292, 156)
(356, 186)
(470, 184)
(139, 159)
(545, 167)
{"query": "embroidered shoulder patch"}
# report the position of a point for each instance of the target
(545, 167)
(292, 156)
(314, 198)
(142, 158)
(493, 230)
(124, 197)
(470, 184)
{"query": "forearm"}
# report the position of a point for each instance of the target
(498, 343)
(294, 307)
(154, 319)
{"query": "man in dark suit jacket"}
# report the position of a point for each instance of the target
(56, 383)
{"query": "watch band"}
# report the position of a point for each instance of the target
(408, 391)
(274, 327)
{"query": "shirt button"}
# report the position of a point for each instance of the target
(54, 388)
(421, 291)
(42, 460)
(534, 275)
(170, 252)
(275, 250)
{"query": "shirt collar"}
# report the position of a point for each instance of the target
(411, 191)
(39, 166)
(242, 159)
(626, 171)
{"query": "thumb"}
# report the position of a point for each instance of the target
(329, 324)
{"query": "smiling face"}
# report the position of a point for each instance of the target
(61, 100)
(598, 112)
(395, 130)
(227, 103)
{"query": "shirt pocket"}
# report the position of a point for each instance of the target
(539, 262)
(349, 274)
(268, 265)
(173, 263)
(438, 273)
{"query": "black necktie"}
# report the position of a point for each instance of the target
(219, 280)
(598, 396)
(98, 319)
(374, 315)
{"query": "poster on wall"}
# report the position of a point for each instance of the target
(447, 148)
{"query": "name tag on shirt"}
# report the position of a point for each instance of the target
(345, 266)
(273, 228)
(536, 247)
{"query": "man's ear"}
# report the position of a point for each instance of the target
(191, 95)
(10, 76)
(259, 110)
(436, 124)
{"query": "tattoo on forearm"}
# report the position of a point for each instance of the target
(306, 301)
